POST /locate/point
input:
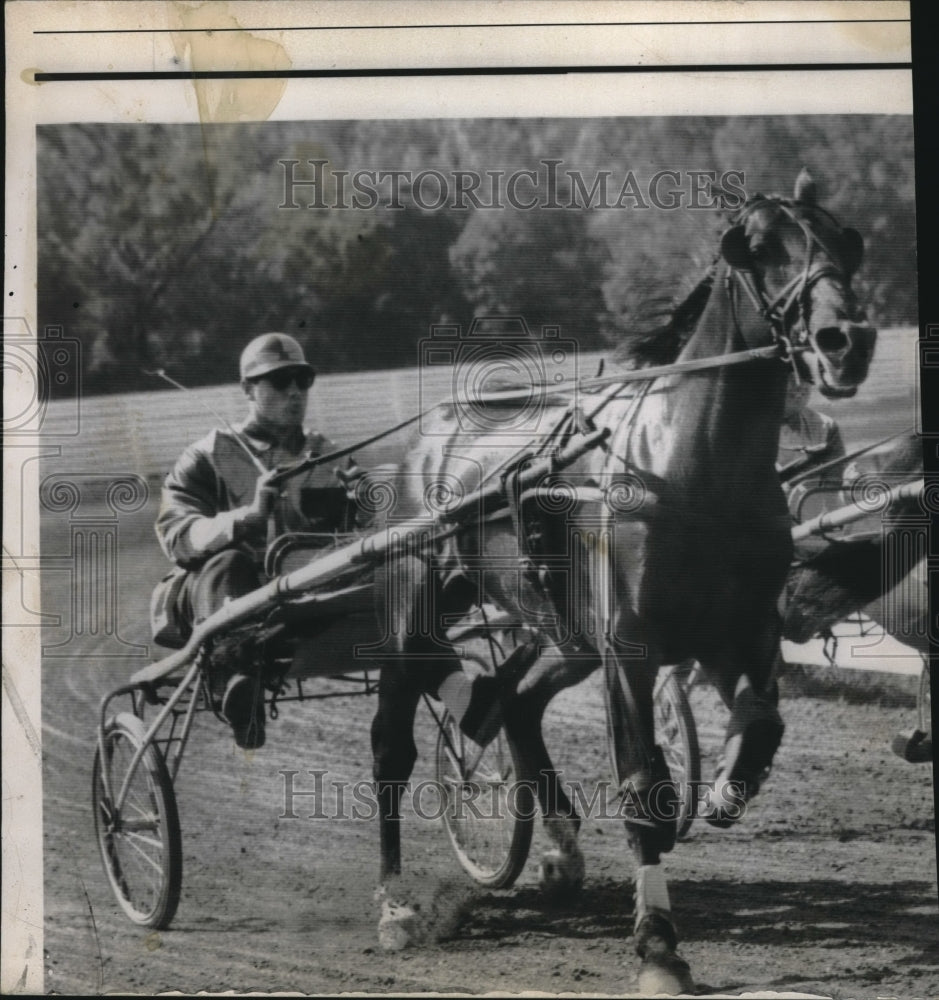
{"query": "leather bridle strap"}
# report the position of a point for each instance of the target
(775, 310)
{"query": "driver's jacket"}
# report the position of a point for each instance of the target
(215, 476)
(814, 440)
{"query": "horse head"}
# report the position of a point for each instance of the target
(796, 263)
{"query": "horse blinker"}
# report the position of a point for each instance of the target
(852, 249)
(735, 248)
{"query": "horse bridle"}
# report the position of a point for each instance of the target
(774, 310)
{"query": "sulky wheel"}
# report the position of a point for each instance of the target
(139, 840)
(488, 815)
(676, 738)
(677, 735)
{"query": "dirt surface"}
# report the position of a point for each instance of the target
(827, 886)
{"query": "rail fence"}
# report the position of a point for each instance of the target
(143, 433)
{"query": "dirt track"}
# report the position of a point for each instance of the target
(828, 886)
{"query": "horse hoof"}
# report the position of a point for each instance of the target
(397, 926)
(665, 974)
(724, 804)
(561, 874)
(754, 733)
(915, 747)
(416, 910)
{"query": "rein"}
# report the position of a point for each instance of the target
(775, 350)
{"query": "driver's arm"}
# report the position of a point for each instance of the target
(194, 522)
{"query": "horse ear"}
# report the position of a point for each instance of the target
(735, 248)
(852, 246)
(805, 187)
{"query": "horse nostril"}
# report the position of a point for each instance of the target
(831, 340)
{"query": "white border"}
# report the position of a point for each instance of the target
(153, 42)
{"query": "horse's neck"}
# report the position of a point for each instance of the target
(722, 327)
(718, 429)
(740, 406)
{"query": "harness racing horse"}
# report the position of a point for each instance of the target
(880, 570)
(669, 541)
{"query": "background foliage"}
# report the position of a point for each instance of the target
(164, 245)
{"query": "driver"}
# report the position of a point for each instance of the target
(219, 510)
(808, 439)
(217, 501)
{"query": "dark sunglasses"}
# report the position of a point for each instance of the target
(282, 380)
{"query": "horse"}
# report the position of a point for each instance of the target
(879, 567)
(673, 533)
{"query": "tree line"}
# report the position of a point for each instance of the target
(169, 245)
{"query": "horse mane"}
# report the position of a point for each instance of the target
(659, 329)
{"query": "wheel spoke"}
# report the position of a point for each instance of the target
(136, 838)
(139, 842)
(136, 825)
(132, 841)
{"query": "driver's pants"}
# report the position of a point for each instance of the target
(225, 576)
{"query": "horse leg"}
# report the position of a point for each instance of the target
(419, 660)
(561, 871)
(746, 681)
(650, 802)
(403, 589)
(393, 754)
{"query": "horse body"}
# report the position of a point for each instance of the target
(712, 550)
(675, 544)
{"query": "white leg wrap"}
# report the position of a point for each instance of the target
(651, 892)
(562, 869)
(397, 926)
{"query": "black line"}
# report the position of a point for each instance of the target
(421, 27)
(925, 111)
(415, 71)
